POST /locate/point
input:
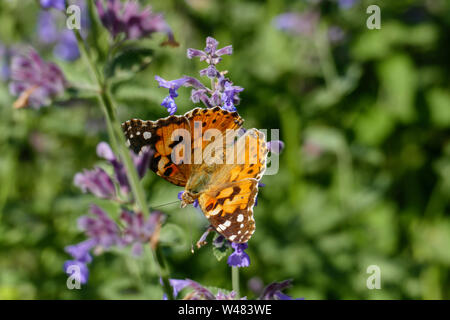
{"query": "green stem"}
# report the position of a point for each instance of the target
(235, 280)
(132, 174)
(119, 143)
(163, 271)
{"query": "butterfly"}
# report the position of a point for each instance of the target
(207, 152)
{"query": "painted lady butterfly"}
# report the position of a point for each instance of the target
(225, 180)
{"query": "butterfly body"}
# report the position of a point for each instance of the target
(218, 166)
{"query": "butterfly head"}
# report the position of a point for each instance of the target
(188, 197)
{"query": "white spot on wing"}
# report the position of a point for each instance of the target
(240, 218)
(147, 135)
(231, 238)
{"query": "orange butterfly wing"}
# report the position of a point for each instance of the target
(158, 135)
(228, 204)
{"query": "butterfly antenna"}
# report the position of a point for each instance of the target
(165, 204)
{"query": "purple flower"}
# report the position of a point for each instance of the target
(210, 54)
(173, 86)
(230, 96)
(130, 20)
(103, 231)
(78, 269)
(301, 23)
(211, 72)
(170, 105)
(80, 251)
(239, 258)
(97, 182)
(35, 81)
(139, 230)
(273, 291)
(56, 4)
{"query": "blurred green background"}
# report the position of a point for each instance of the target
(364, 178)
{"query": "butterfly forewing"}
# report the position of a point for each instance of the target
(159, 136)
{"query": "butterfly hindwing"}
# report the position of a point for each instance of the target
(229, 209)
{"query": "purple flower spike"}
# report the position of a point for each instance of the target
(130, 20)
(56, 4)
(97, 182)
(35, 81)
(239, 258)
(78, 269)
